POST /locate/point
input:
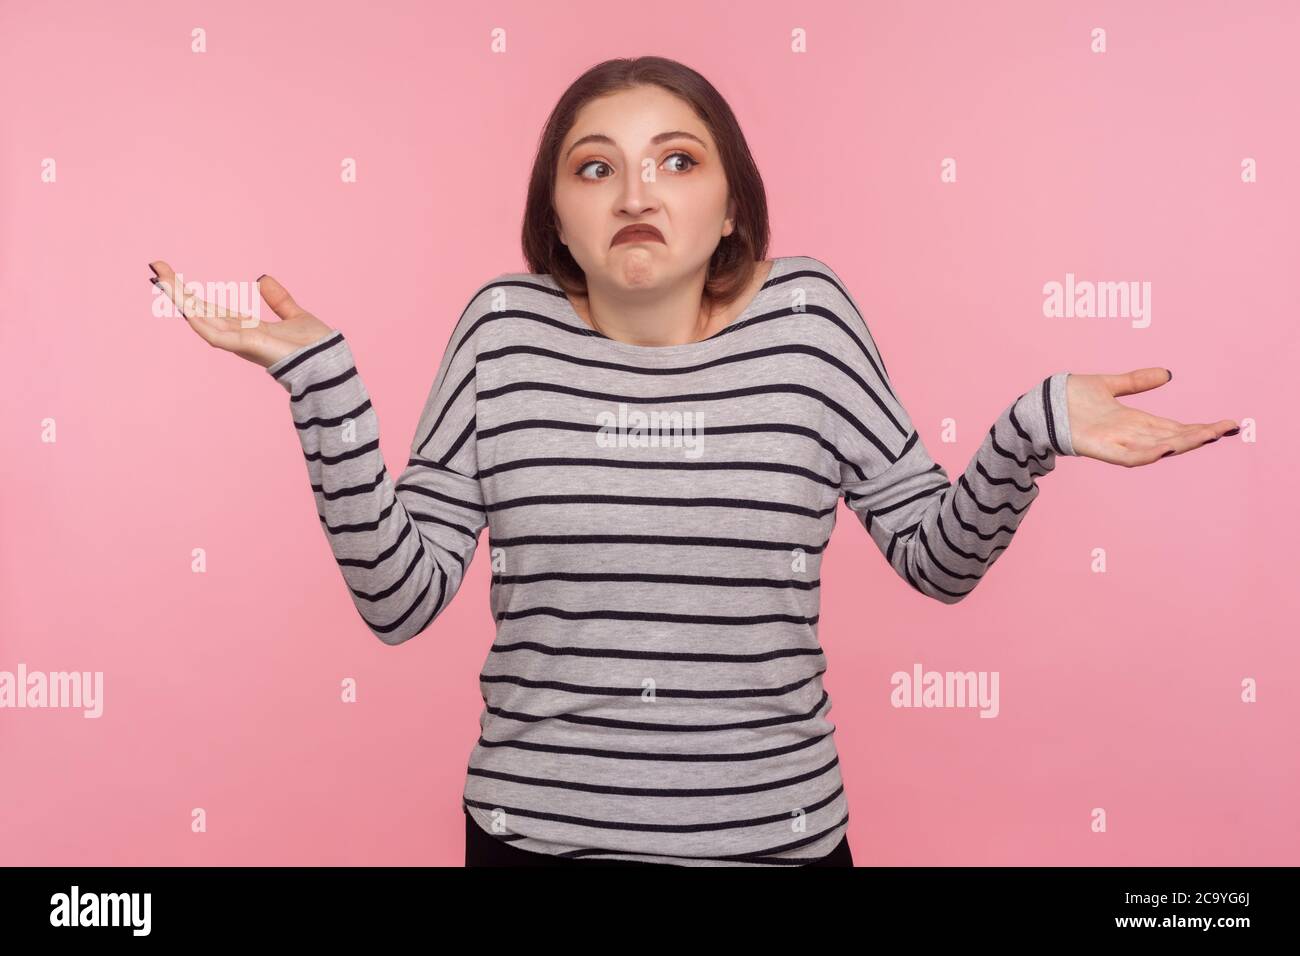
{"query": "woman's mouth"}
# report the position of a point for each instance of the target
(639, 232)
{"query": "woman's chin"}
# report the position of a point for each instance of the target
(637, 265)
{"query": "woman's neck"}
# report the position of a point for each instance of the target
(677, 316)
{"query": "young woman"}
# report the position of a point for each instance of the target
(655, 423)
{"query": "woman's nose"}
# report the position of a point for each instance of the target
(638, 195)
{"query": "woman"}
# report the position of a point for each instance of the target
(655, 423)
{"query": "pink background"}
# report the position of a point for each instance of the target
(1118, 690)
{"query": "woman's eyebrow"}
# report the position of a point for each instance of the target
(602, 138)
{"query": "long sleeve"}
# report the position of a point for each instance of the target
(939, 536)
(403, 550)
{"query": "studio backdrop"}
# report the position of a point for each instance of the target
(1006, 190)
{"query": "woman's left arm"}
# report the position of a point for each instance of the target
(1109, 431)
(941, 537)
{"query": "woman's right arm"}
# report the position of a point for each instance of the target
(402, 549)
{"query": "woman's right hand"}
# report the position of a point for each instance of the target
(263, 343)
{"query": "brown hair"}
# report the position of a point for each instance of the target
(731, 268)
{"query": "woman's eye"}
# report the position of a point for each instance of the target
(690, 159)
(600, 162)
(594, 162)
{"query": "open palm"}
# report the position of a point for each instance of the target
(1102, 428)
(263, 343)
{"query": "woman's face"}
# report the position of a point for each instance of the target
(655, 163)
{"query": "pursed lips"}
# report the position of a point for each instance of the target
(637, 234)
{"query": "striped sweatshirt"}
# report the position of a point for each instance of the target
(656, 519)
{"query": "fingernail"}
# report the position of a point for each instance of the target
(1211, 441)
(1233, 432)
(260, 278)
(1170, 374)
(152, 269)
(154, 280)
(1168, 453)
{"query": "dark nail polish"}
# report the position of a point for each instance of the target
(261, 277)
(1170, 374)
(152, 269)
(1210, 441)
(155, 281)
(1168, 453)
(1233, 432)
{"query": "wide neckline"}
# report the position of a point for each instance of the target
(755, 304)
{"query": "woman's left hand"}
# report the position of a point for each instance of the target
(1102, 428)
